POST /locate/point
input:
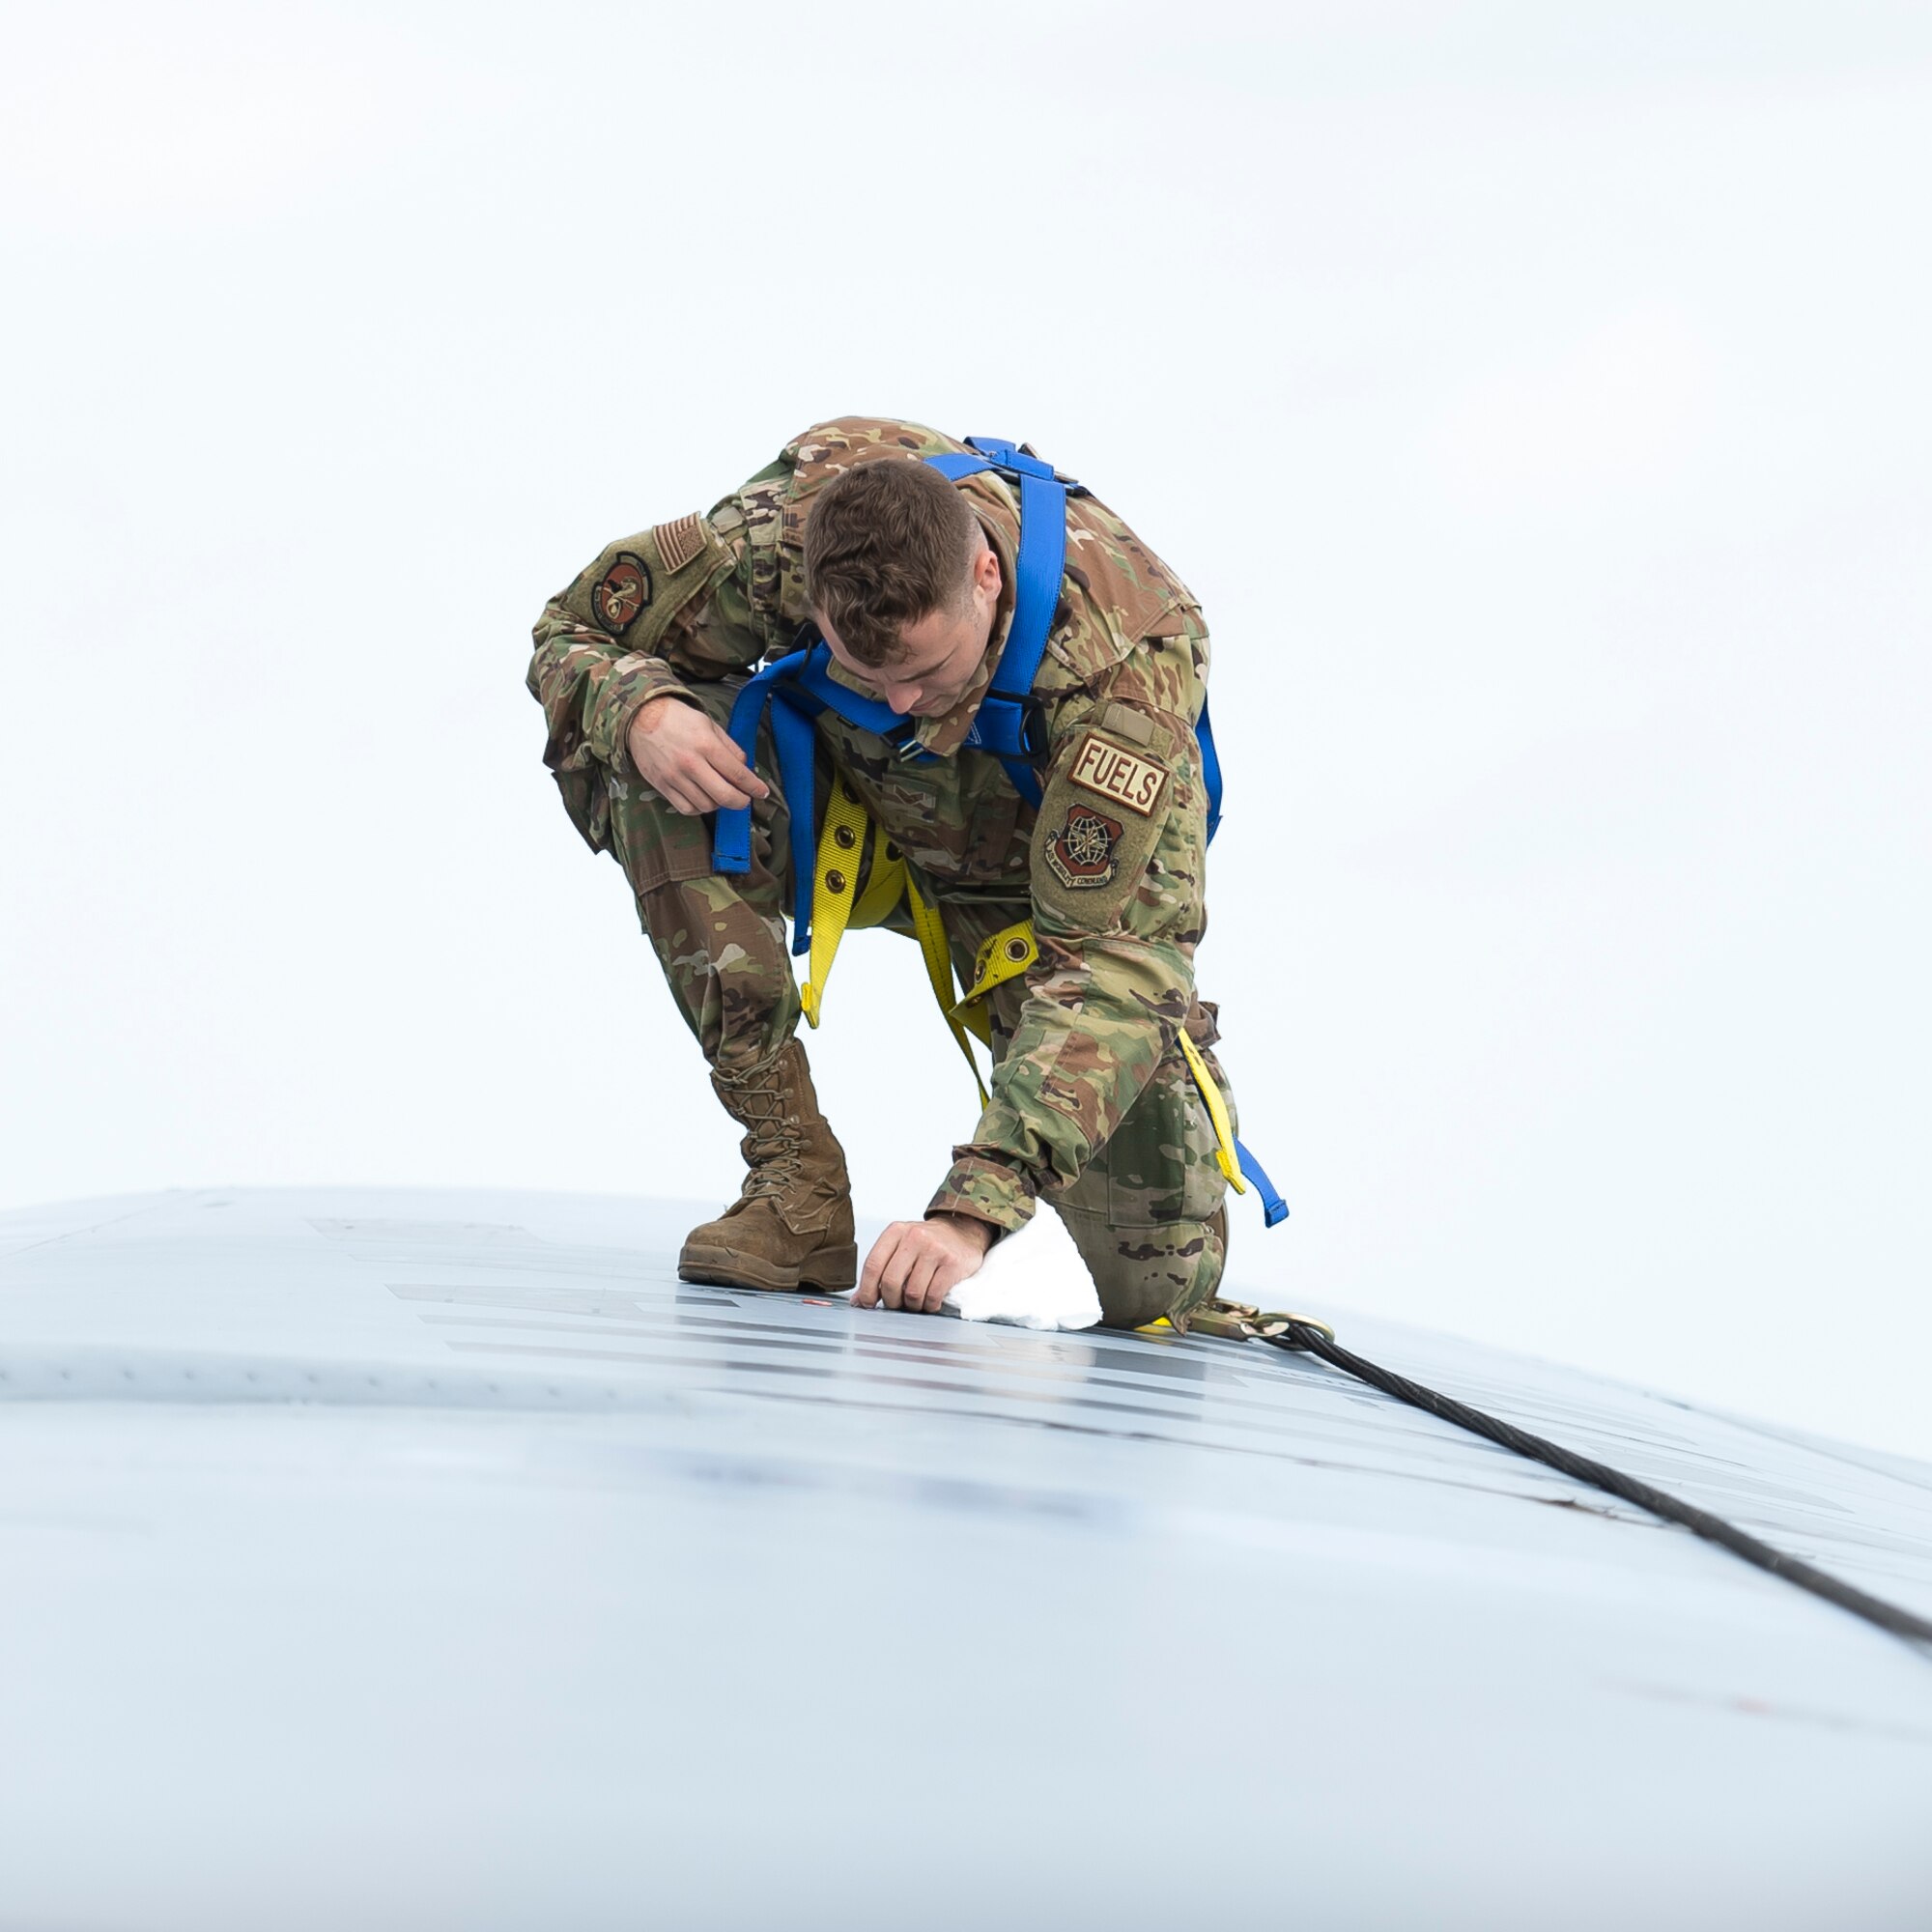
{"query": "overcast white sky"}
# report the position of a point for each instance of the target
(1537, 396)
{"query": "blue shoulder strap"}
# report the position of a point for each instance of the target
(1006, 723)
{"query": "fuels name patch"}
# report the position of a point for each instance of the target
(1099, 765)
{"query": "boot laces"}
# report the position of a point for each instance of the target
(774, 1150)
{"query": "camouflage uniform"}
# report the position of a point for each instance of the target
(1093, 1108)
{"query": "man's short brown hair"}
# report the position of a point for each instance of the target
(885, 544)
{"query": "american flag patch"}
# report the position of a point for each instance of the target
(679, 542)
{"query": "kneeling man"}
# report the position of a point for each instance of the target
(909, 576)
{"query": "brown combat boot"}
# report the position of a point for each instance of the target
(791, 1227)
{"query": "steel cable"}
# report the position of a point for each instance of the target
(1298, 1336)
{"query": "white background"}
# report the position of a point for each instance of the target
(1537, 396)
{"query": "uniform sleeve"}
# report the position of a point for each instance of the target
(668, 603)
(1118, 856)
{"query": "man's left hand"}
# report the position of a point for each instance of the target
(916, 1265)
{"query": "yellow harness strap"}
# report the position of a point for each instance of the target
(842, 845)
(930, 927)
(1006, 955)
(1011, 952)
(1217, 1113)
(885, 885)
(834, 878)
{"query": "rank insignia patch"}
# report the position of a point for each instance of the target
(679, 542)
(622, 591)
(1083, 852)
(1116, 774)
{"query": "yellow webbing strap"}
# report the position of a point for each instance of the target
(885, 886)
(835, 877)
(1217, 1113)
(841, 844)
(1005, 956)
(1009, 954)
(931, 928)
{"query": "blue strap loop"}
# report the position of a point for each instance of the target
(1274, 1210)
(731, 830)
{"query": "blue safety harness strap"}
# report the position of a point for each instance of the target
(815, 680)
(1008, 723)
(731, 830)
(797, 687)
(1274, 1210)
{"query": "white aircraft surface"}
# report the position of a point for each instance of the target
(379, 1559)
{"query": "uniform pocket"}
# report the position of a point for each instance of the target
(655, 843)
(1160, 1163)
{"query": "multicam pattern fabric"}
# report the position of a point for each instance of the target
(1092, 1109)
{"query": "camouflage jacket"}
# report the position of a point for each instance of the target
(1112, 865)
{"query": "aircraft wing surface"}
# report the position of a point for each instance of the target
(382, 1558)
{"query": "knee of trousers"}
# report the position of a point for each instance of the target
(724, 960)
(1145, 1273)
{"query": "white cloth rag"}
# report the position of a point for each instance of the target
(1035, 1279)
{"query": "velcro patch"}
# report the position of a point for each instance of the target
(1116, 774)
(1084, 853)
(622, 591)
(679, 542)
(1130, 723)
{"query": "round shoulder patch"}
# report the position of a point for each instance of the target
(622, 592)
(1084, 852)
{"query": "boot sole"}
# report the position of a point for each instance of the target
(831, 1269)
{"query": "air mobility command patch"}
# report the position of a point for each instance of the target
(621, 593)
(1084, 852)
(1116, 774)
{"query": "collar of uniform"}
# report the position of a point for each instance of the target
(944, 735)
(851, 680)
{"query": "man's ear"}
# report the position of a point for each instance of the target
(986, 572)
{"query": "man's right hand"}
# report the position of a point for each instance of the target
(680, 753)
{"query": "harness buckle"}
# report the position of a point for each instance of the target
(1224, 1324)
(1035, 750)
(1244, 1322)
(1016, 460)
(1026, 743)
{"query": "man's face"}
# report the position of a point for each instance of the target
(939, 655)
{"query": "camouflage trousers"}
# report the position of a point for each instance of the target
(1147, 1215)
